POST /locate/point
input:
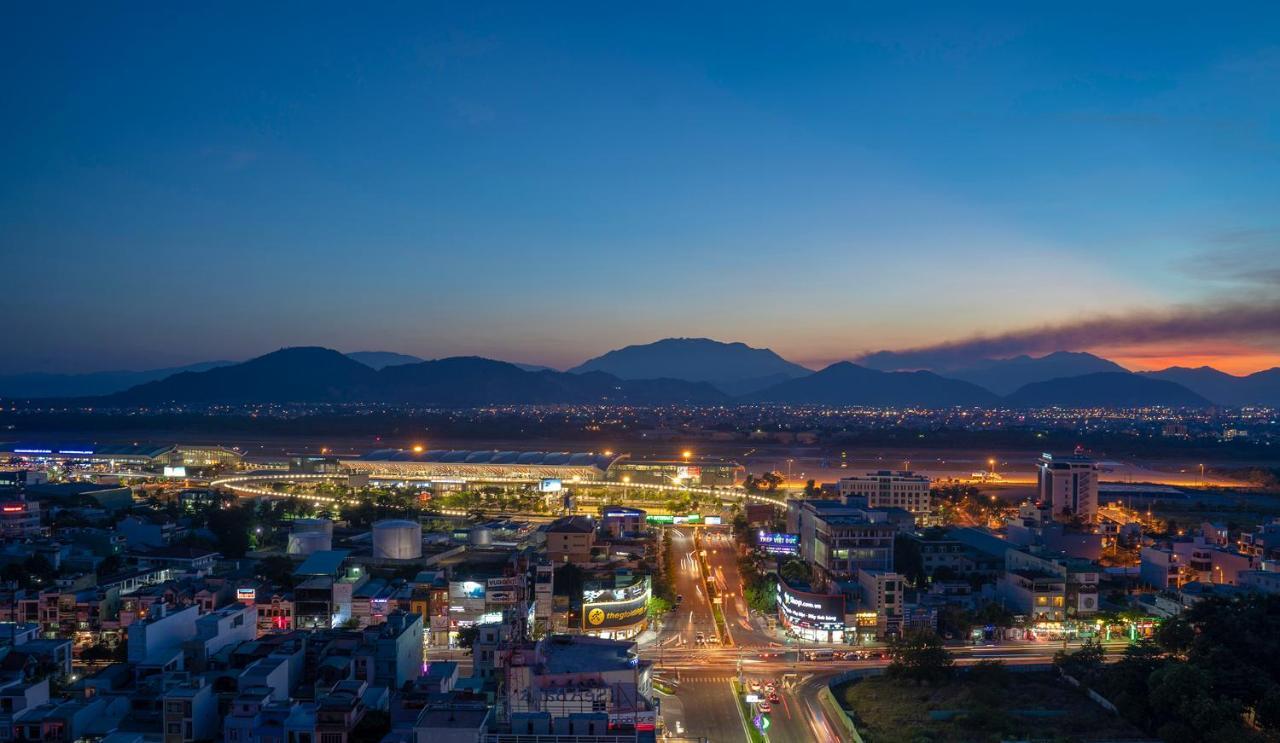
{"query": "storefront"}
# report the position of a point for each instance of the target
(813, 617)
(616, 613)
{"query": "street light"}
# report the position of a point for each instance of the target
(417, 448)
(686, 454)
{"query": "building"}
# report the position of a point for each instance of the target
(891, 489)
(1033, 587)
(398, 649)
(190, 713)
(618, 521)
(1175, 564)
(482, 466)
(687, 472)
(126, 457)
(156, 641)
(110, 497)
(563, 675)
(570, 539)
(841, 539)
(19, 517)
(616, 609)
(809, 615)
(881, 591)
(1069, 485)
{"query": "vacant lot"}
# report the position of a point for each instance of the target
(1026, 706)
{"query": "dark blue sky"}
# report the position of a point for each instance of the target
(544, 182)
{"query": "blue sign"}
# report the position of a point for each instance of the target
(778, 544)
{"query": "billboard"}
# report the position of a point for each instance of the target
(778, 544)
(614, 608)
(810, 610)
(175, 471)
(550, 485)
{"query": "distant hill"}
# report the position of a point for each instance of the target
(1001, 376)
(1259, 388)
(89, 384)
(471, 380)
(311, 374)
(734, 368)
(380, 359)
(302, 374)
(845, 383)
(1105, 389)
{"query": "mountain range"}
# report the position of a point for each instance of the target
(321, 375)
(674, 370)
(734, 368)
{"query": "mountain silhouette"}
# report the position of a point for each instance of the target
(734, 368)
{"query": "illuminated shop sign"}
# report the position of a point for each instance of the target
(778, 544)
(818, 611)
(627, 612)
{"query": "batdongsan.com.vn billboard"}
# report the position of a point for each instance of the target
(811, 610)
(611, 609)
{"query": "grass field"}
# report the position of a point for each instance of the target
(1034, 706)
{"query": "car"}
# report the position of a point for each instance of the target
(765, 707)
(700, 638)
(774, 697)
(755, 687)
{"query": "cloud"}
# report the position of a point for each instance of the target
(1249, 257)
(1245, 321)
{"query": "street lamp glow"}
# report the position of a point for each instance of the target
(417, 448)
(686, 454)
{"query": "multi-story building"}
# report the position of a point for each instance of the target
(1069, 485)
(1175, 564)
(841, 539)
(891, 489)
(190, 713)
(570, 539)
(19, 517)
(1033, 587)
(880, 591)
(397, 649)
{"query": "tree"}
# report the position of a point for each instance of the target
(794, 571)
(277, 570)
(1083, 664)
(811, 489)
(908, 560)
(232, 527)
(919, 656)
(110, 565)
(467, 637)
(568, 580)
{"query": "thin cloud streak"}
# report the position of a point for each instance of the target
(1257, 321)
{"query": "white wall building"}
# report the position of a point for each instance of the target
(1069, 485)
(891, 489)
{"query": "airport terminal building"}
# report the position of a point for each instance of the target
(534, 466)
(498, 466)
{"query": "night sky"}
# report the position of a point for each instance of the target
(544, 182)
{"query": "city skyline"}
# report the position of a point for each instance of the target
(545, 186)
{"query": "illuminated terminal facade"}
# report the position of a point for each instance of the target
(534, 466)
(154, 457)
(459, 464)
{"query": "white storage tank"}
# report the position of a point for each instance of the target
(298, 526)
(480, 536)
(397, 539)
(307, 542)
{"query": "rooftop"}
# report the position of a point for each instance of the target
(492, 457)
